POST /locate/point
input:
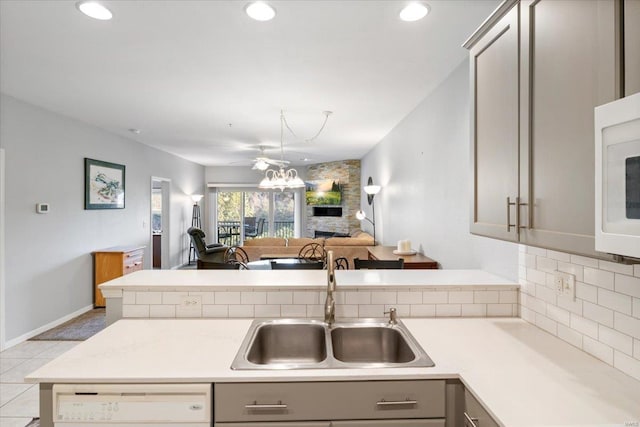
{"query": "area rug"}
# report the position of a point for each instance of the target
(78, 329)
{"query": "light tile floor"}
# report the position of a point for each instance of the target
(19, 401)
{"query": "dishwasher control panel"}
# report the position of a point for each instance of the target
(86, 404)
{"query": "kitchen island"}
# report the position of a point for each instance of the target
(522, 375)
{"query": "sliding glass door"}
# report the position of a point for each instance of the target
(244, 215)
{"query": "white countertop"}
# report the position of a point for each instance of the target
(303, 279)
(523, 375)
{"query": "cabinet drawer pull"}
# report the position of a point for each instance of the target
(470, 422)
(396, 402)
(256, 405)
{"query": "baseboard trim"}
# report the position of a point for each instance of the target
(41, 329)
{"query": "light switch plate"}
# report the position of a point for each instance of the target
(191, 301)
(565, 284)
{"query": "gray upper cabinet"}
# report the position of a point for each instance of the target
(567, 62)
(494, 75)
(631, 46)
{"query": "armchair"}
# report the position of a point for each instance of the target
(204, 252)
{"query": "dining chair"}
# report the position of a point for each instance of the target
(218, 266)
(314, 265)
(236, 253)
(313, 252)
(341, 263)
(368, 264)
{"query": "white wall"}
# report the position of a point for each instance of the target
(48, 262)
(423, 166)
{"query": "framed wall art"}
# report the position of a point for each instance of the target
(103, 185)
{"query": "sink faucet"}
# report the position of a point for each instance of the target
(393, 316)
(330, 303)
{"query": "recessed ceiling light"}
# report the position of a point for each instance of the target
(94, 10)
(260, 11)
(414, 12)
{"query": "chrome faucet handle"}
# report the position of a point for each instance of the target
(393, 316)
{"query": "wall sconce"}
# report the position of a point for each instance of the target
(371, 191)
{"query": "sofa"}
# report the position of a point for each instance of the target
(352, 247)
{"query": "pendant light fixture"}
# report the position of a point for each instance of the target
(286, 178)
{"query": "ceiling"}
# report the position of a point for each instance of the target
(202, 80)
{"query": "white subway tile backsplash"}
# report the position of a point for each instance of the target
(473, 310)
(226, 297)
(627, 325)
(527, 314)
(423, 310)
(448, 310)
(546, 294)
(205, 297)
(280, 297)
(346, 310)
(191, 311)
(409, 297)
(486, 297)
(636, 270)
(536, 251)
(546, 264)
(403, 310)
(636, 348)
(615, 301)
(587, 262)
(569, 335)
(587, 292)
(461, 297)
(506, 297)
(435, 297)
(627, 285)
(576, 270)
(215, 311)
(559, 315)
(162, 311)
(293, 310)
(371, 310)
(547, 324)
(383, 297)
(316, 311)
(267, 310)
(307, 298)
(253, 297)
(241, 311)
(535, 276)
(601, 278)
(528, 260)
(616, 267)
(558, 256)
(135, 310)
(173, 298)
(584, 326)
(533, 303)
(598, 314)
(355, 298)
(626, 364)
(568, 303)
(500, 310)
(635, 310)
(615, 339)
(598, 349)
(128, 297)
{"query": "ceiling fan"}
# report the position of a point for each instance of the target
(262, 161)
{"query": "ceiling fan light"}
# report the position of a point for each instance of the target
(414, 12)
(261, 165)
(94, 10)
(260, 11)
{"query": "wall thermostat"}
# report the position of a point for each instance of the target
(42, 208)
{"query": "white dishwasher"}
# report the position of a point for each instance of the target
(130, 405)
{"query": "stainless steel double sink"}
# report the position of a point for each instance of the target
(313, 344)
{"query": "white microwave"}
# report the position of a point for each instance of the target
(617, 136)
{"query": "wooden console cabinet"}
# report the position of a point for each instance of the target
(112, 263)
(417, 261)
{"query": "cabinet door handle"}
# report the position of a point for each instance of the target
(470, 422)
(256, 405)
(518, 218)
(509, 204)
(396, 402)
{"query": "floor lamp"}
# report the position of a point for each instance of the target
(195, 222)
(371, 191)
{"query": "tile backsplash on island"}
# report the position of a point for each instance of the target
(477, 301)
(604, 318)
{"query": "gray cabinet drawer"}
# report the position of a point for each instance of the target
(329, 400)
(476, 415)
(390, 423)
